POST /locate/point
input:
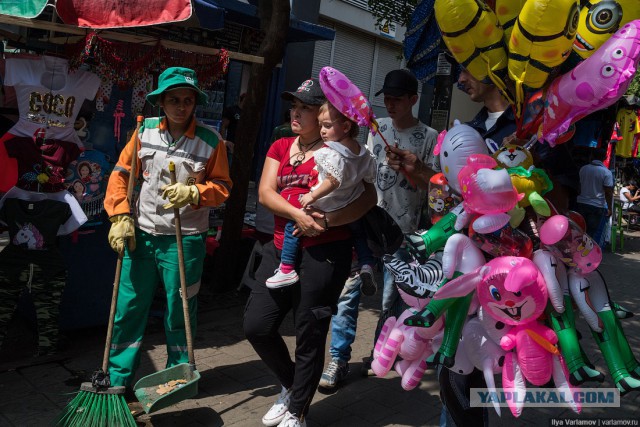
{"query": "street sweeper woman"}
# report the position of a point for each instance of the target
(146, 231)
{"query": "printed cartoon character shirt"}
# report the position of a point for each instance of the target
(87, 181)
(49, 96)
(33, 227)
(395, 195)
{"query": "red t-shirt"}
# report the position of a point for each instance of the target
(50, 159)
(293, 182)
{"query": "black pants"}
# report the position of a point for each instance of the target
(634, 208)
(455, 395)
(45, 282)
(323, 269)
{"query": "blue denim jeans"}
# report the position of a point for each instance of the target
(289, 245)
(365, 255)
(345, 321)
(595, 218)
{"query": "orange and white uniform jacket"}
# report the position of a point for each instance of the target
(200, 157)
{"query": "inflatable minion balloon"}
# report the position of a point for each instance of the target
(507, 11)
(541, 40)
(474, 37)
(599, 19)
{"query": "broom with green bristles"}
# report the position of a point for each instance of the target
(98, 404)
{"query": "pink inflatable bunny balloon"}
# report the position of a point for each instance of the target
(512, 290)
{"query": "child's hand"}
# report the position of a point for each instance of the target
(306, 200)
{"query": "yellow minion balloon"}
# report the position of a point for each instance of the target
(599, 19)
(541, 40)
(507, 11)
(473, 34)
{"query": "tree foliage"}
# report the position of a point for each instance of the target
(392, 11)
(634, 87)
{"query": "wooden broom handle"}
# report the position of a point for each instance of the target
(183, 275)
(116, 280)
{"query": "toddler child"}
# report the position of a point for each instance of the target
(341, 167)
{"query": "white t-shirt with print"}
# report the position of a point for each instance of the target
(48, 96)
(395, 193)
(348, 168)
(623, 199)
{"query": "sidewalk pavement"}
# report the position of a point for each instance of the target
(236, 388)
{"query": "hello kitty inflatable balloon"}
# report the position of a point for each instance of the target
(454, 147)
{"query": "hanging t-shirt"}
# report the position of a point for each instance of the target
(33, 227)
(48, 96)
(42, 168)
(588, 131)
(87, 181)
(76, 219)
(629, 126)
(395, 194)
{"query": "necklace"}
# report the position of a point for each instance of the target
(302, 154)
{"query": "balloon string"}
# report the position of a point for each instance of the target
(531, 142)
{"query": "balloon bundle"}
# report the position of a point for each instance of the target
(554, 61)
(507, 308)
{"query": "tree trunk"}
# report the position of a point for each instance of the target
(274, 18)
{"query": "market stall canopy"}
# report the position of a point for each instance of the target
(104, 13)
(247, 14)
(210, 14)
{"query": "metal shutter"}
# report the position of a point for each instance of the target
(389, 58)
(323, 52)
(353, 55)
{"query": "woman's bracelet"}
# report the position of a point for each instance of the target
(326, 222)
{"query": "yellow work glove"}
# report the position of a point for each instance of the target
(180, 195)
(122, 228)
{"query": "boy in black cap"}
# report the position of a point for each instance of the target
(398, 83)
(409, 161)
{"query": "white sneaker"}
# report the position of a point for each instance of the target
(280, 279)
(279, 409)
(291, 420)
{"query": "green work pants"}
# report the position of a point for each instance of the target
(154, 261)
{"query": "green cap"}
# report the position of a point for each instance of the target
(174, 78)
